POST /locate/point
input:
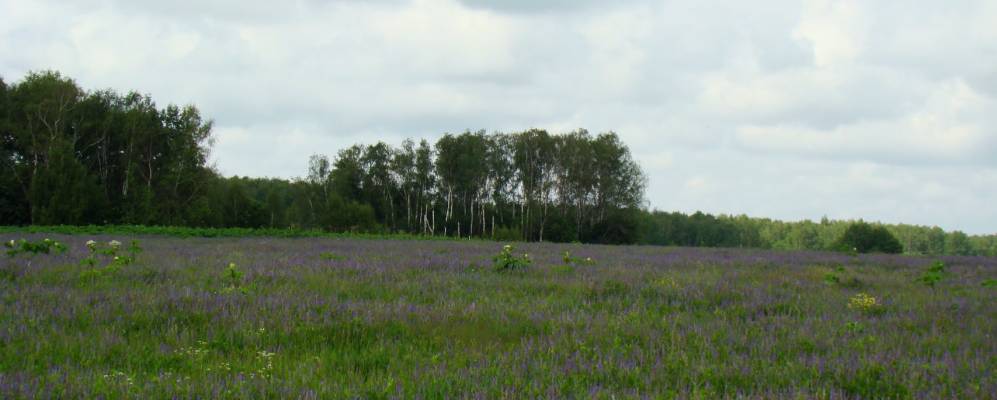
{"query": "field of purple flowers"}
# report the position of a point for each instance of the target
(354, 318)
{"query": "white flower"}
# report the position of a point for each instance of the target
(91, 244)
(11, 243)
(114, 244)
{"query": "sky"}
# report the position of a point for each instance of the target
(880, 110)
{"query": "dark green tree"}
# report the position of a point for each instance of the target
(863, 237)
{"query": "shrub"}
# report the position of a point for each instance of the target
(862, 237)
(933, 275)
(506, 261)
(233, 277)
(45, 246)
(111, 251)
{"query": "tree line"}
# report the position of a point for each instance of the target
(705, 230)
(530, 185)
(77, 157)
(71, 156)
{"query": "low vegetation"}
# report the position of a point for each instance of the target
(351, 318)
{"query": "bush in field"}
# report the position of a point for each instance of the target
(506, 261)
(22, 246)
(112, 251)
(233, 277)
(933, 275)
(862, 237)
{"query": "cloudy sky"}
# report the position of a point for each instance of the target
(882, 110)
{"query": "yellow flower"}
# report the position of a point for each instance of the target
(863, 302)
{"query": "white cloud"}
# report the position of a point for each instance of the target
(834, 29)
(879, 110)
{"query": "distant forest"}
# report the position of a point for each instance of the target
(78, 157)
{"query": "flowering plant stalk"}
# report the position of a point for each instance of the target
(45, 246)
(507, 261)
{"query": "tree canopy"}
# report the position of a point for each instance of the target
(865, 238)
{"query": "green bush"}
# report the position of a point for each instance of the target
(862, 237)
(506, 261)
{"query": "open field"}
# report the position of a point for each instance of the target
(346, 318)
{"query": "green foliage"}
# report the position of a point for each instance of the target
(112, 253)
(865, 238)
(704, 230)
(507, 261)
(233, 278)
(23, 246)
(934, 274)
(854, 327)
(507, 235)
(77, 157)
(875, 381)
(188, 232)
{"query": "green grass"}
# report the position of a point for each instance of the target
(189, 232)
(347, 318)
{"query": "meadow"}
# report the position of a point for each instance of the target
(343, 317)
